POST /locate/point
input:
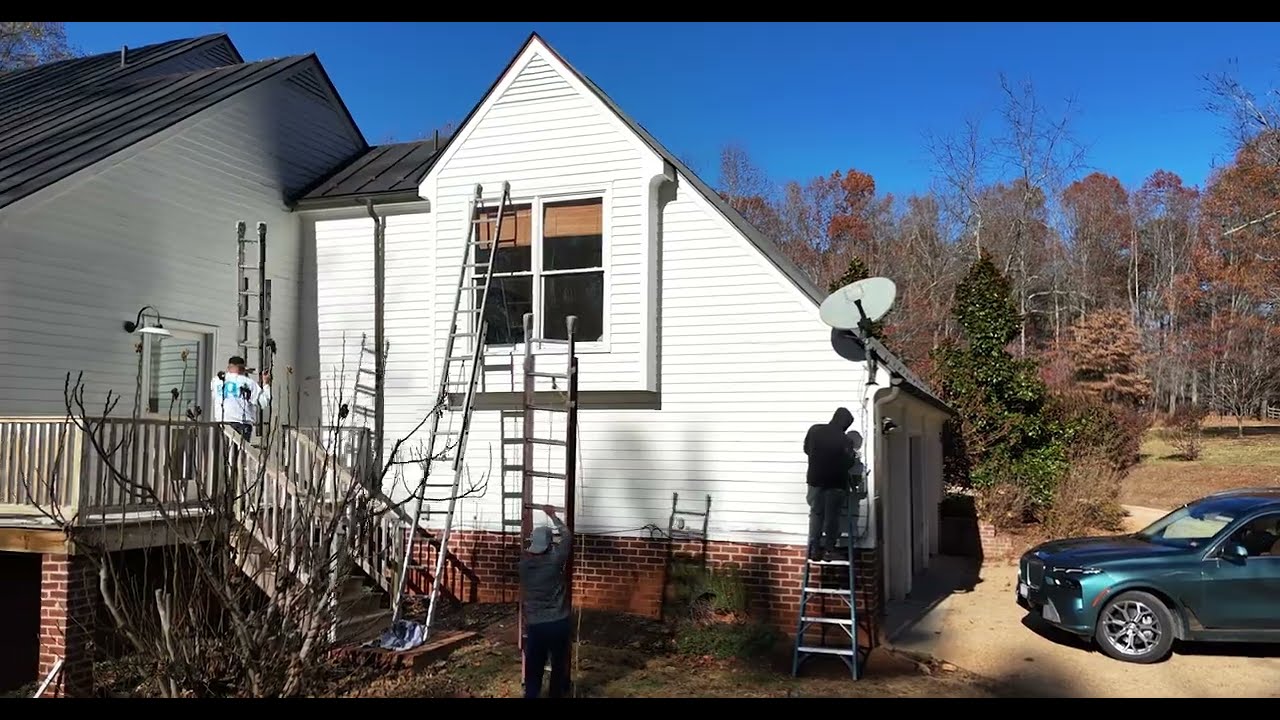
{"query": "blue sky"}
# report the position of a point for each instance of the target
(804, 99)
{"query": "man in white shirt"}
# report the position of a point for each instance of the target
(237, 397)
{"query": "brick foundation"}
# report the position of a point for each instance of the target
(629, 575)
(67, 608)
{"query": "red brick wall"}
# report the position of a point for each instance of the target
(67, 608)
(628, 574)
(995, 544)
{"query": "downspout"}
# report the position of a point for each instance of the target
(879, 400)
(379, 361)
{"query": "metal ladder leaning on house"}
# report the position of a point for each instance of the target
(812, 586)
(567, 404)
(254, 289)
(469, 368)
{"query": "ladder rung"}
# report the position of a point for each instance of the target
(475, 265)
(535, 441)
(512, 468)
(827, 650)
(827, 620)
(511, 523)
(366, 388)
(551, 341)
(826, 591)
(512, 496)
(686, 512)
(555, 376)
(438, 485)
(549, 408)
(829, 562)
(548, 475)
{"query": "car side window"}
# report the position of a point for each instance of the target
(1261, 536)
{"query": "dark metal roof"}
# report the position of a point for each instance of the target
(63, 117)
(388, 172)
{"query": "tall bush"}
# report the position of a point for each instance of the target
(1009, 434)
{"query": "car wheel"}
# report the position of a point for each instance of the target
(1135, 627)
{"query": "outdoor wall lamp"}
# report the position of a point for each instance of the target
(157, 329)
(887, 425)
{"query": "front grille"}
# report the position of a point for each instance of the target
(1035, 573)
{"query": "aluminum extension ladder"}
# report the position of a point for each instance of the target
(842, 585)
(564, 402)
(253, 304)
(467, 321)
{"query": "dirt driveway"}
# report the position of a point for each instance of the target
(985, 632)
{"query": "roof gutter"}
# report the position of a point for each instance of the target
(379, 356)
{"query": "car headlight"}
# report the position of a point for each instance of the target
(1075, 570)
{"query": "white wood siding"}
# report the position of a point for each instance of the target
(156, 226)
(544, 138)
(344, 289)
(746, 365)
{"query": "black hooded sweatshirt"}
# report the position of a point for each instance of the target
(827, 448)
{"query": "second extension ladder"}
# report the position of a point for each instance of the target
(560, 414)
(830, 579)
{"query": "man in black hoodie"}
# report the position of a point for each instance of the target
(828, 479)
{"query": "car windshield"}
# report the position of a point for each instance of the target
(1191, 525)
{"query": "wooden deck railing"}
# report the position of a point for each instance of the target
(55, 470)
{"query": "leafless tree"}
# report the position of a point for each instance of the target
(962, 161)
(264, 547)
(27, 44)
(1247, 368)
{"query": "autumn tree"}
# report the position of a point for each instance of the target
(27, 44)
(1008, 435)
(1099, 226)
(746, 187)
(1107, 359)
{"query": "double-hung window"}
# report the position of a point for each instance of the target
(550, 262)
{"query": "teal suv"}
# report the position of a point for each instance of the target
(1208, 571)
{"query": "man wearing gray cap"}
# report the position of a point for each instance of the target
(545, 604)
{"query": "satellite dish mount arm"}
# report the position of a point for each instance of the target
(864, 323)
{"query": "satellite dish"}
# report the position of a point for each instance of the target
(863, 301)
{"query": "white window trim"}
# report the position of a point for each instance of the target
(537, 202)
(205, 369)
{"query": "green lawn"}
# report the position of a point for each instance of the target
(1163, 480)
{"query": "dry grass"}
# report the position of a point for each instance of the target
(625, 656)
(1162, 480)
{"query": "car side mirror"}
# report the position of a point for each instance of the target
(1234, 551)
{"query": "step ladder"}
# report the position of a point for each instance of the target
(364, 396)
(460, 372)
(536, 443)
(253, 306)
(677, 528)
(831, 579)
